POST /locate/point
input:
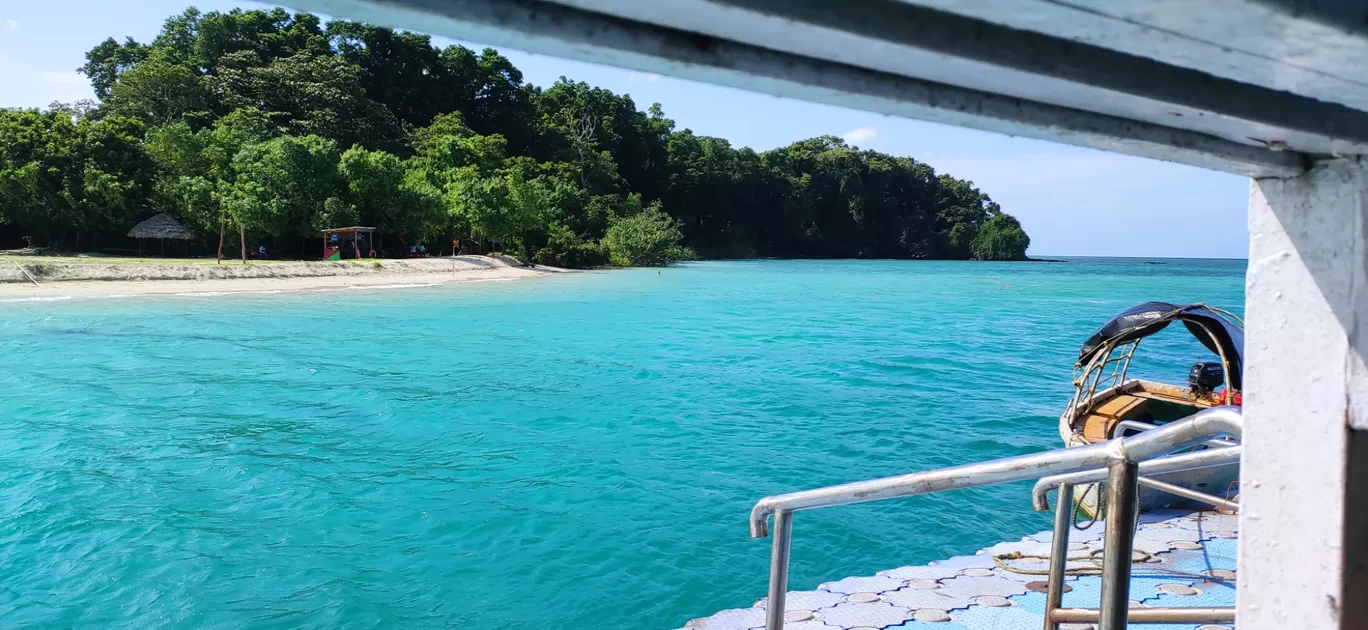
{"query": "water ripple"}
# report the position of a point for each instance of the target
(576, 452)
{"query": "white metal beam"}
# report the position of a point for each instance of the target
(568, 32)
(1306, 391)
(1314, 48)
(912, 41)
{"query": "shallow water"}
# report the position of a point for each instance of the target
(570, 452)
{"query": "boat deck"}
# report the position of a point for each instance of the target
(1190, 562)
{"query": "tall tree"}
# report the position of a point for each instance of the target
(283, 184)
(277, 123)
(63, 178)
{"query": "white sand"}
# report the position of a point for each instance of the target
(62, 279)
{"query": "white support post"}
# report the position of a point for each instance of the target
(1301, 529)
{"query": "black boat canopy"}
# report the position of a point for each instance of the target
(1218, 333)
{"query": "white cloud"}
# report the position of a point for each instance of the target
(11, 25)
(856, 136)
(644, 76)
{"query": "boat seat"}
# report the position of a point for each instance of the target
(1122, 407)
(1106, 415)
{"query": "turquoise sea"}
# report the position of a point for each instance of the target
(579, 451)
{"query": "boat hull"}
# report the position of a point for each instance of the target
(1220, 481)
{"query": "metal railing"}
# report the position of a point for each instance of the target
(1120, 456)
(1210, 458)
(1139, 427)
(1055, 613)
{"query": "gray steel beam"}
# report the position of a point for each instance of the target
(918, 42)
(1316, 48)
(567, 32)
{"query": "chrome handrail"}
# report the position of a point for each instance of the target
(1190, 494)
(1141, 427)
(1175, 463)
(1120, 455)
(1055, 613)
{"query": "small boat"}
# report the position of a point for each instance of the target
(1107, 403)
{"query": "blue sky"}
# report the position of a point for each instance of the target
(1071, 201)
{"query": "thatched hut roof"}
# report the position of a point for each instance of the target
(161, 226)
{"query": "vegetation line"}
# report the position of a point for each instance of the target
(275, 125)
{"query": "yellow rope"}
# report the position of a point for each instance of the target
(1137, 557)
(1001, 561)
(1239, 320)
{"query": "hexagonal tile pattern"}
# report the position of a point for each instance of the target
(1189, 561)
(930, 615)
(811, 624)
(1221, 574)
(992, 600)
(929, 572)
(806, 600)
(875, 584)
(1208, 594)
(997, 618)
(917, 599)
(971, 587)
(1029, 547)
(1192, 562)
(735, 619)
(981, 561)
(1093, 531)
(1222, 547)
(877, 615)
(1023, 577)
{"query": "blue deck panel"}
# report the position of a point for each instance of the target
(1193, 557)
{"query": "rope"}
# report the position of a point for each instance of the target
(1001, 561)
(1079, 504)
(1239, 320)
(1137, 557)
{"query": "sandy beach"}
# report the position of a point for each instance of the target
(41, 278)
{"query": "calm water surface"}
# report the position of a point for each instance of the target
(572, 452)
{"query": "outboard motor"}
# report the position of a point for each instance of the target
(1205, 377)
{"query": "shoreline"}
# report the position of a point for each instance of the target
(62, 280)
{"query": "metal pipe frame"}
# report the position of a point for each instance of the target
(1059, 553)
(1149, 615)
(1123, 506)
(1175, 463)
(1186, 493)
(1168, 438)
(1145, 426)
(779, 566)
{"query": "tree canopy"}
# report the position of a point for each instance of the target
(278, 124)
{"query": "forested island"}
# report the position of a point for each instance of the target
(267, 126)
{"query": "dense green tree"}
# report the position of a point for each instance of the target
(62, 177)
(309, 94)
(647, 239)
(283, 186)
(107, 61)
(564, 248)
(1000, 238)
(391, 195)
(159, 92)
(272, 122)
